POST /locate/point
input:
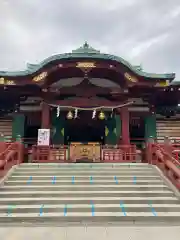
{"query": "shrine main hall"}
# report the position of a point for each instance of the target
(86, 96)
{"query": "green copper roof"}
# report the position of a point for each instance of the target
(87, 52)
(85, 49)
(175, 83)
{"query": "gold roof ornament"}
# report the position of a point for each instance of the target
(85, 65)
(2, 81)
(40, 77)
(162, 83)
(69, 115)
(130, 78)
(7, 82)
(10, 82)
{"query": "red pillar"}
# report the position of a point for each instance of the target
(125, 125)
(45, 116)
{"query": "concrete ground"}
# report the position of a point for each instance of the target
(93, 233)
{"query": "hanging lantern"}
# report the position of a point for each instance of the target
(101, 116)
(70, 115)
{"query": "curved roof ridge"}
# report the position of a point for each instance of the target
(86, 52)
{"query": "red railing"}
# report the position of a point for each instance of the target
(161, 155)
(123, 153)
(49, 153)
(176, 151)
(12, 155)
(172, 148)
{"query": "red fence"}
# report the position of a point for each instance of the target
(49, 153)
(11, 154)
(165, 156)
(123, 153)
(162, 156)
(176, 151)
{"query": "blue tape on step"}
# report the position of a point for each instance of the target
(152, 210)
(73, 179)
(41, 210)
(29, 180)
(54, 180)
(91, 179)
(92, 208)
(115, 179)
(65, 210)
(134, 180)
(9, 210)
(123, 208)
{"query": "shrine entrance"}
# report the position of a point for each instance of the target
(84, 136)
(85, 130)
(137, 131)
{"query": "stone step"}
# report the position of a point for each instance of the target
(80, 177)
(51, 193)
(81, 165)
(71, 193)
(86, 200)
(93, 173)
(74, 169)
(116, 208)
(99, 217)
(85, 182)
(90, 187)
(85, 166)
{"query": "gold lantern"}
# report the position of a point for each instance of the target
(69, 115)
(101, 116)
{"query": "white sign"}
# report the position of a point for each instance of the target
(43, 137)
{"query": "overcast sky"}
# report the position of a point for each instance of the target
(145, 32)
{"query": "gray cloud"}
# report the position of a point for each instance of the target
(141, 31)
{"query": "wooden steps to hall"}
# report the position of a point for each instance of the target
(6, 127)
(168, 128)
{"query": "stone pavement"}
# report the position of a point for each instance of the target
(93, 233)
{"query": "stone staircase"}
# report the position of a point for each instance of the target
(87, 193)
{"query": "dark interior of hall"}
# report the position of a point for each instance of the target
(85, 129)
